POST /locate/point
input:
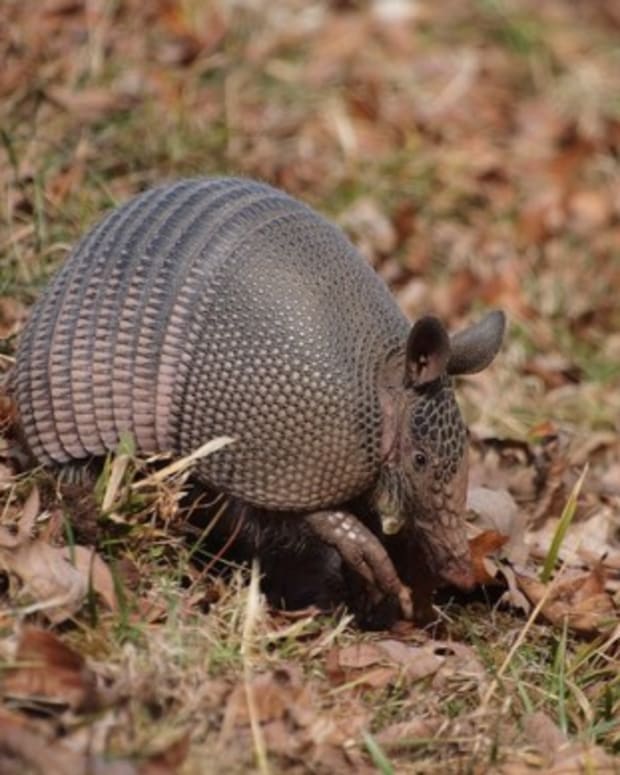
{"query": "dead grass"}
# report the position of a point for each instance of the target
(472, 151)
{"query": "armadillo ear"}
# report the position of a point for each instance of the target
(428, 352)
(474, 348)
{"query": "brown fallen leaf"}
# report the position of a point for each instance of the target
(380, 663)
(589, 210)
(580, 600)
(418, 661)
(13, 535)
(49, 671)
(558, 755)
(277, 694)
(540, 217)
(96, 570)
(504, 465)
(459, 662)
(292, 723)
(543, 734)
(6, 476)
(480, 547)
(167, 761)
(56, 580)
(578, 758)
(495, 509)
(12, 315)
(403, 732)
(50, 583)
(554, 369)
(363, 664)
(359, 656)
(371, 229)
(62, 7)
(66, 182)
(25, 749)
(8, 419)
(91, 103)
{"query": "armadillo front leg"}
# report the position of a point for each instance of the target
(363, 551)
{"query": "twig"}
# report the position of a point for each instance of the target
(251, 617)
(182, 463)
(518, 642)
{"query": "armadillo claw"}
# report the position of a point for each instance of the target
(405, 599)
(363, 552)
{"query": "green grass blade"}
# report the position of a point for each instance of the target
(565, 520)
(379, 759)
(559, 670)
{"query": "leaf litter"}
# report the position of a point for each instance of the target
(53, 579)
(471, 151)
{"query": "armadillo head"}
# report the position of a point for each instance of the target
(422, 487)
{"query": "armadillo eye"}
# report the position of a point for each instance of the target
(419, 459)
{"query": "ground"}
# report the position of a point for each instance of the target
(471, 151)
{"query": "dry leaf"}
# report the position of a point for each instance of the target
(504, 466)
(362, 664)
(359, 655)
(375, 678)
(405, 731)
(91, 103)
(48, 578)
(291, 721)
(580, 600)
(559, 756)
(459, 662)
(370, 228)
(389, 660)
(24, 749)
(276, 694)
(495, 509)
(57, 579)
(168, 761)
(12, 315)
(92, 567)
(48, 671)
(6, 475)
(62, 7)
(578, 758)
(543, 734)
(589, 210)
(554, 369)
(481, 546)
(418, 661)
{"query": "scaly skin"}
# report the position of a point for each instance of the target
(224, 307)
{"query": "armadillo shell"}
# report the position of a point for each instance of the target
(215, 307)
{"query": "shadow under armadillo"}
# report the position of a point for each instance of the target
(299, 570)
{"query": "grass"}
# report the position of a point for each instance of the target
(564, 523)
(181, 642)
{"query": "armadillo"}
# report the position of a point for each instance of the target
(224, 307)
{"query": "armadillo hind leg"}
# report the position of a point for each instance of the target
(363, 552)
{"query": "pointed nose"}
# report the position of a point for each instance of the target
(459, 573)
